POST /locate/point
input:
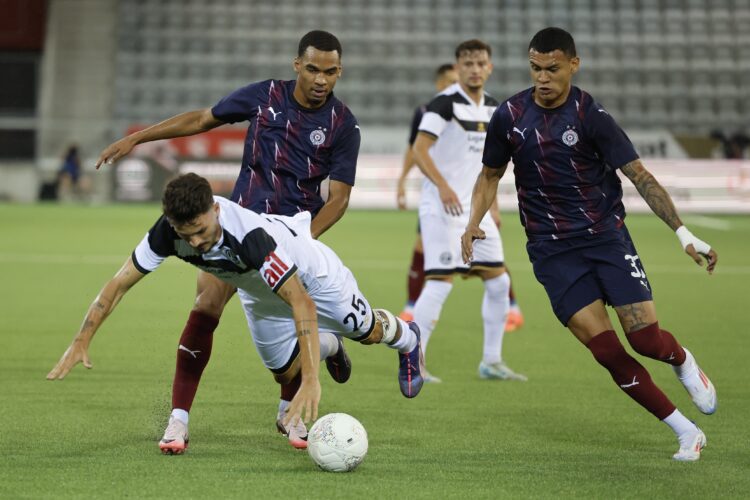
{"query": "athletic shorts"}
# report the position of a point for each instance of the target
(577, 271)
(342, 310)
(441, 241)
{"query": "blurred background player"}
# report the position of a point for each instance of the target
(299, 135)
(565, 149)
(448, 150)
(445, 75)
(276, 265)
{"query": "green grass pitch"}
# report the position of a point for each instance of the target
(568, 432)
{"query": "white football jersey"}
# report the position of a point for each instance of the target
(256, 253)
(460, 127)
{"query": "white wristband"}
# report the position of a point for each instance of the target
(687, 238)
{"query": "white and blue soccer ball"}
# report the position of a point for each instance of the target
(337, 442)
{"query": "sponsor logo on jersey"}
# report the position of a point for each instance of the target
(273, 269)
(318, 136)
(570, 137)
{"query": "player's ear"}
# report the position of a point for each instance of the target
(217, 209)
(296, 64)
(575, 63)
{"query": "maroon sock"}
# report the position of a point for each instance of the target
(289, 390)
(627, 373)
(657, 344)
(416, 276)
(192, 357)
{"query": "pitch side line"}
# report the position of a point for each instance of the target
(365, 265)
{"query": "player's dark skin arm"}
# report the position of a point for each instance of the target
(189, 123)
(655, 195)
(333, 210)
(103, 305)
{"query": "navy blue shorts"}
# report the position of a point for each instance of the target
(577, 271)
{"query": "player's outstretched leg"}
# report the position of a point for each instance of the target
(175, 440)
(659, 344)
(338, 364)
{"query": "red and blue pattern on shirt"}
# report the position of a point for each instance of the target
(289, 150)
(564, 163)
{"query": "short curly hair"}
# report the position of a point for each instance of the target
(186, 198)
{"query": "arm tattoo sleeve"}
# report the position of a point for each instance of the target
(655, 195)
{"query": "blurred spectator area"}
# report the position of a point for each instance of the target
(675, 64)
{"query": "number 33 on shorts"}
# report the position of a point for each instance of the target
(638, 271)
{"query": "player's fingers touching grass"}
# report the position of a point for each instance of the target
(72, 356)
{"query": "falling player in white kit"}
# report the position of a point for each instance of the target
(448, 150)
(297, 295)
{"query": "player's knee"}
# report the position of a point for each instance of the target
(498, 285)
(606, 348)
(211, 300)
(646, 341)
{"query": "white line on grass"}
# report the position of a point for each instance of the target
(708, 222)
(364, 265)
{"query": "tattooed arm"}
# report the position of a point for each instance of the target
(661, 204)
(103, 305)
(653, 192)
(306, 321)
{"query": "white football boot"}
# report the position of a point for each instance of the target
(691, 444)
(700, 388)
(499, 371)
(296, 433)
(175, 440)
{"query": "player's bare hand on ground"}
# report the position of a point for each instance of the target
(76, 353)
(711, 257)
(306, 400)
(467, 241)
(115, 151)
(450, 200)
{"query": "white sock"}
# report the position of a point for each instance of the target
(283, 405)
(688, 367)
(428, 306)
(495, 307)
(180, 414)
(408, 340)
(679, 423)
(329, 344)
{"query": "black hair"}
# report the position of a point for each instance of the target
(321, 40)
(186, 198)
(551, 39)
(471, 46)
(443, 69)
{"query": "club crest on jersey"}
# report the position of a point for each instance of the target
(273, 269)
(446, 258)
(570, 137)
(231, 256)
(318, 137)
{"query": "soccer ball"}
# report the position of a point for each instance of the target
(337, 442)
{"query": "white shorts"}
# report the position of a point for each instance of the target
(342, 310)
(441, 240)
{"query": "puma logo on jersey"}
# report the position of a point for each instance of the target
(631, 384)
(273, 269)
(520, 132)
(275, 114)
(194, 354)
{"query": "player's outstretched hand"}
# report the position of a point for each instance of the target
(467, 241)
(711, 257)
(450, 200)
(76, 353)
(697, 248)
(306, 400)
(115, 151)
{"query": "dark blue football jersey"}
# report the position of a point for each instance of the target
(564, 161)
(289, 150)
